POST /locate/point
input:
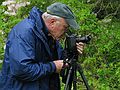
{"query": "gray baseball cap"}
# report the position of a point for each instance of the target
(62, 10)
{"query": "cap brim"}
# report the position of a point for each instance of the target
(73, 24)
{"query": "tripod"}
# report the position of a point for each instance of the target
(72, 76)
(70, 56)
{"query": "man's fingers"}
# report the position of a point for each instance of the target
(80, 47)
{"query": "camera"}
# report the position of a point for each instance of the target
(71, 40)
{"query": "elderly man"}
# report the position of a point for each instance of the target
(33, 56)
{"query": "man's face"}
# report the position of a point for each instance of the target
(59, 27)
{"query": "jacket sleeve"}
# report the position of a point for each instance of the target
(22, 56)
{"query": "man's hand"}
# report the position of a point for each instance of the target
(80, 47)
(59, 65)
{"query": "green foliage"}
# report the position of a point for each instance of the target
(105, 56)
(1, 1)
(6, 23)
(107, 8)
(101, 58)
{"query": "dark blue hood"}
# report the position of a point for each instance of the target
(37, 22)
(35, 17)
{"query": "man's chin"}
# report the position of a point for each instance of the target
(60, 37)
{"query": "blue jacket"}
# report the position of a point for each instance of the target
(28, 60)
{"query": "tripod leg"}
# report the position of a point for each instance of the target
(79, 68)
(69, 81)
(74, 78)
